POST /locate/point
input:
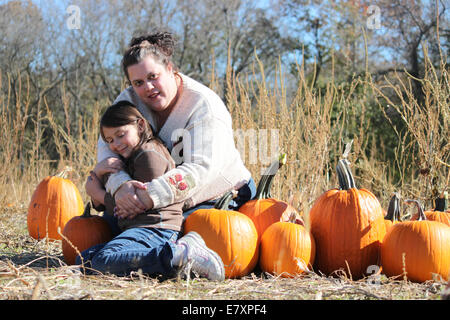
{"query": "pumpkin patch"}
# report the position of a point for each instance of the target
(348, 231)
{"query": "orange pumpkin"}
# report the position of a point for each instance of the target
(440, 212)
(393, 213)
(348, 226)
(84, 232)
(287, 249)
(263, 209)
(229, 233)
(54, 202)
(420, 248)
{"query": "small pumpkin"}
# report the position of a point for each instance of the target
(265, 210)
(419, 248)
(440, 212)
(84, 232)
(393, 213)
(287, 249)
(348, 226)
(229, 233)
(53, 203)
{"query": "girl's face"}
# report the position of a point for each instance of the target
(122, 140)
(154, 83)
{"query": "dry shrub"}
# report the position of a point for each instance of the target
(25, 129)
(423, 152)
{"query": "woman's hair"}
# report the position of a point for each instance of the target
(123, 113)
(159, 45)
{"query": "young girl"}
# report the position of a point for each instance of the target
(148, 241)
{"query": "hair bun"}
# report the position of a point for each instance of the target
(163, 40)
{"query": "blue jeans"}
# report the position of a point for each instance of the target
(148, 249)
(245, 193)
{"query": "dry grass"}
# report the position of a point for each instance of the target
(312, 127)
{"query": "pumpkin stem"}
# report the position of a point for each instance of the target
(63, 174)
(265, 183)
(345, 176)
(224, 201)
(441, 202)
(295, 218)
(419, 209)
(87, 211)
(393, 212)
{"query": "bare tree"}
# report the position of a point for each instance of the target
(407, 27)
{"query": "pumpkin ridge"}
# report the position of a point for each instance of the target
(336, 246)
(60, 205)
(362, 222)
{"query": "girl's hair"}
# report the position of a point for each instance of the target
(123, 113)
(159, 45)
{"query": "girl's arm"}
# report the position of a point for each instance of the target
(108, 165)
(94, 188)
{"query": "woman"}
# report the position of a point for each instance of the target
(194, 124)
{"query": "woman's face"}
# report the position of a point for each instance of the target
(154, 83)
(122, 140)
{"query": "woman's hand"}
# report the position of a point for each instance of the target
(128, 204)
(108, 165)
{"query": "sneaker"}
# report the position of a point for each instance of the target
(201, 260)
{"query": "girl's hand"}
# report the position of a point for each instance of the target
(144, 197)
(127, 202)
(108, 165)
(95, 189)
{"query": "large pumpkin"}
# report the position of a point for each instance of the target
(229, 233)
(84, 232)
(418, 248)
(287, 249)
(263, 209)
(393, 213)
(54, 202)
(348, 227)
